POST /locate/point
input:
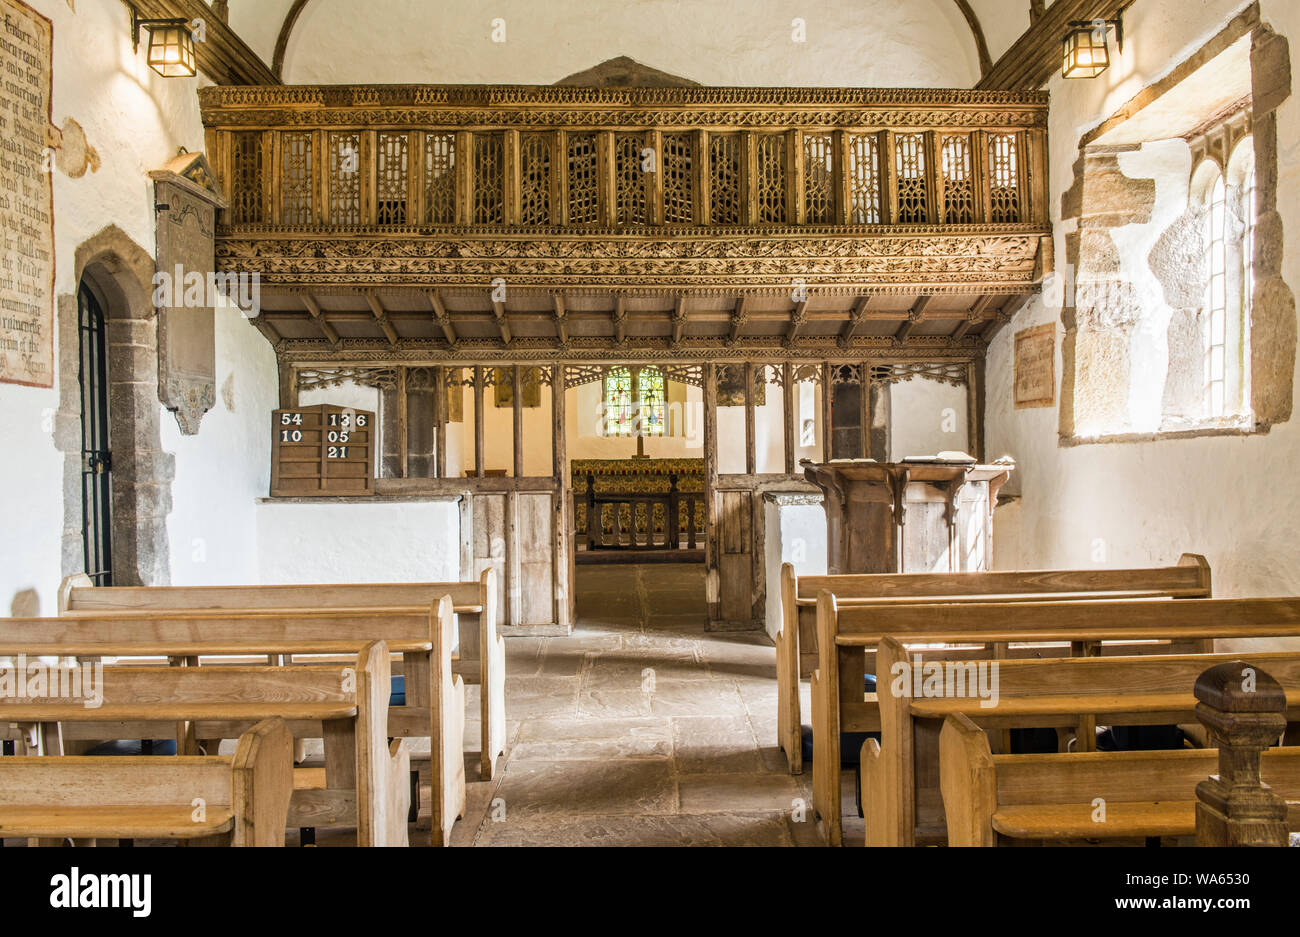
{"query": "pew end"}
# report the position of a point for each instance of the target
(967, 781)
(261, 780)
(492, 681)
(788, 722)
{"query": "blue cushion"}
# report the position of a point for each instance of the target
(850, 745)
(397, 693)
(869, 683)
(134, 747)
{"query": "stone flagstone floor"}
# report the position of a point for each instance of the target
(639, 729)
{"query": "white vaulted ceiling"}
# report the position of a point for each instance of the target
(864, 43)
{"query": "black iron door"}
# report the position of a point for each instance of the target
(96, 459)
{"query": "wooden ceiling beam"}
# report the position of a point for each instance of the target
(914, 315)
(503, 323)
(798, 316)
(313, 309)
(282, 40)
(739, 315)
(856, 315)
(1036, 55)
(381, 316)
(620, 320)
(977, 31)
(222, 55)
(561, 326)
(680, 318)
(974, 315)
(442, 317)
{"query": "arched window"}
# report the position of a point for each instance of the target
(1214, 240)
(1227, 204)
(624, 387)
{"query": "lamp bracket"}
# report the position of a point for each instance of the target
(137, 21)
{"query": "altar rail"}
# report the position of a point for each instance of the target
(403, 157)
(666, 516)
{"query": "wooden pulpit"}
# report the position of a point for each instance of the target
(908, 517)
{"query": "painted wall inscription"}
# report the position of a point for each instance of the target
(26, 198)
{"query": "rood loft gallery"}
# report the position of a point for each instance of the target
(646, 423)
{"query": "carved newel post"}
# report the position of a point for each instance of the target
(1244, 710)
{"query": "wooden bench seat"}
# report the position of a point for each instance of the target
(849, 641)
(1055, 797)
(900, 778)
(479, 656)
(796, 641)
(244, 799)
(435, 696)
(346, 705)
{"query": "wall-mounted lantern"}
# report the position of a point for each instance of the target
(171, 46)
(1086, 53)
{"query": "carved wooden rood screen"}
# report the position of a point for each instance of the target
(434, 241)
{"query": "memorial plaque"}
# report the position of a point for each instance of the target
(322, 450)
(26, 198)
(1035, 375)
(188, 200)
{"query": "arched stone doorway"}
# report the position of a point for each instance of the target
(118, 273)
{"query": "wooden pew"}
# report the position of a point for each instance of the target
(245, 799)
(900, 786)
(988, 797)
(796, 642)
(480, 658)
(435, 696)
(346, 705)
(848, 638)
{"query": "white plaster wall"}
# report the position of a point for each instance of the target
(871, 43)
(795, 534)
(1236, 500)
(928, 417)
(357, 542)
(221, 472)
(135, 120)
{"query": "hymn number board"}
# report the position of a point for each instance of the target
(322, 450)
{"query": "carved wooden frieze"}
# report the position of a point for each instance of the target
(551, 106)
(187, 200)
(755, 259)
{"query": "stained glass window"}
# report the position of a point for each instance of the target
(620, 405)
(618, 402)
(652, 402)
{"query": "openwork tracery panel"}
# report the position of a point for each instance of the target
(629, 179)
(439, 178)
(296, 204)
(864, 178)
(535, 179)
(345, 178)
(489, 178)
(724, 178)
(958, 181)
(246, 178)
(913, 193)
(391, 186)
(818, 178)
(583, 179)
(770, 149)
(679, 178)
(1004, 178)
